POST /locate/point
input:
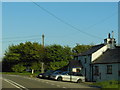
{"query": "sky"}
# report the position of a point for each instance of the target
(64, 23)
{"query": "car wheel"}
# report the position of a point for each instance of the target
(59, 79)
(48, 77)
(79, 81)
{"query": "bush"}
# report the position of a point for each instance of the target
(18, 68)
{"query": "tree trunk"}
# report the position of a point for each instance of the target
(32, 71)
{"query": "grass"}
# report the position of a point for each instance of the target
(23, 73)
(108, 84)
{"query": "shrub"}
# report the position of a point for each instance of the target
(18, 68)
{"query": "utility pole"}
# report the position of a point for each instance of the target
(119, 23)
(43, 40)
(42, 63)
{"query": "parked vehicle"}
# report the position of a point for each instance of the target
(46, 74)
(66, 76)
(40, 75)
(55, 73)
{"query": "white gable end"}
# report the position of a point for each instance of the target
(99, 52)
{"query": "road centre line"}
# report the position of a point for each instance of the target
(15, 84)
(43, 81)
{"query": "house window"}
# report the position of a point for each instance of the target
(85, 72)
(96, 71)
(109, 69)
(118, 73)
(85, 60)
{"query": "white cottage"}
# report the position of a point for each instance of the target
(107, 66)
(101, 61)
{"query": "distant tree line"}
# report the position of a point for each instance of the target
(28, 55)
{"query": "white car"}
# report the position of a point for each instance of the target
(65, 76)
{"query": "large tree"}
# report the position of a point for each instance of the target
(58, 56)
(25, 53)
(32, 54)
(80, 48)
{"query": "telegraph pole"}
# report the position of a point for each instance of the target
(43, 40)
(42, 63)
(118, 26)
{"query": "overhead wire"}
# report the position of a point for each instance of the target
(26, 38)
(21, 37)
(20, 40)
(61, 20)
(103, 20)
(70, 25)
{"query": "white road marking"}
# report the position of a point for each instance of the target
(12, 84)
(15, 84)
(63, 87)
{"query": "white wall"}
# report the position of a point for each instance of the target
(104, 75)
(86, 65)
(98, 53)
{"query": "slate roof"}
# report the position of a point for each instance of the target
(92, 50)
(75, 64)
(65, 68)
(110, 56)
(72, 64)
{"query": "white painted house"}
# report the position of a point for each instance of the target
(102, 61)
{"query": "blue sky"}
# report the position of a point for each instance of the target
(24, 21)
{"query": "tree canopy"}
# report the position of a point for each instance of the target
(30, 55)
(80, 48)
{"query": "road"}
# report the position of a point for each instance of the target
(28, 83)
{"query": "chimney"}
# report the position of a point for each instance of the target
(110, 41)
(107, 40)
(109, 35)
(112, 34)
(113, 41)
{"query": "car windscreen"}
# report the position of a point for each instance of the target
(49, 71)
(78, 74)
(57, 72)
(64, 73)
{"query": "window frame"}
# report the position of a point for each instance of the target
(119, 73)
(109, 69)
(85, 60)
(96, 73)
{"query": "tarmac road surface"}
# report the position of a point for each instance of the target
(18, 82)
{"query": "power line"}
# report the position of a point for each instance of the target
(101, 21)
(21, 37)
(70, 25)
(64, 23)
(19, 40)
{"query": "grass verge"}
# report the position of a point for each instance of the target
(107, 84)
(23, 73)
